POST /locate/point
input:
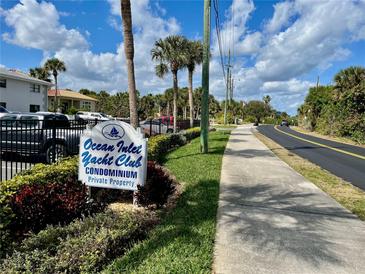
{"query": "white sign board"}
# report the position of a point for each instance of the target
(113, 155)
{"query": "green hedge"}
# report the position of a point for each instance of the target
(39, 174)
(160, 144)
(84, 246)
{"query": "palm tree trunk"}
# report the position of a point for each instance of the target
(174, 75)
(168, 109)
(129, 54)
(56, 99)
(191, 105)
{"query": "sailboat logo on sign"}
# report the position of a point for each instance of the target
(113, 132)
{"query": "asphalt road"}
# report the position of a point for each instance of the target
(342, 160)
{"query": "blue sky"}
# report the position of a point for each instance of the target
(280, 46)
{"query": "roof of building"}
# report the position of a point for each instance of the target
(69, 94)
(19, 75)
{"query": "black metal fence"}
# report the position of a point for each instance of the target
(25, 142)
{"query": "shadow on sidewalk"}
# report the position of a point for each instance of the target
(275, 224)
(249, 153)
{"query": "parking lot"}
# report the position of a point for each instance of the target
(12, 166)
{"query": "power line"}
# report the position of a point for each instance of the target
(217, 27)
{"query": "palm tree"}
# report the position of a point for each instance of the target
(161, 102)
(129, 55)
(169, 96)
(194, 53)
(348, 78)
(40, 73)
(266, 99)
(170, 53)
(54, 66)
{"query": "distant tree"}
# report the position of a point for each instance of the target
(266, 99)
(90, 93)
(348, 79)
(40, 73)
(119, 106)
(194, 56)
(169, 53)
(55, 66)
(169, 97)
(214, 105)
(317, 98)
(183, 101)
(160, 102)
(256, 109)
(147, 106)
(103, 104)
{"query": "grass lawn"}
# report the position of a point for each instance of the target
(228, 126)
(183, 242)
(328, 137)
(343, 192)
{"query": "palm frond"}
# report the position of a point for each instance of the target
(161, 70)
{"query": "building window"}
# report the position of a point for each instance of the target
(3, 104)
(35, 88)
(34, 108)
(85, 105)
(2, 83)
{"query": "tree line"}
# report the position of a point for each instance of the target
(337, 109)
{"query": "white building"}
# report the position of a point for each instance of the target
(20, 92)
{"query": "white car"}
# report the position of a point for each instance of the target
(92, 116)
(154, 127)
(3, 111)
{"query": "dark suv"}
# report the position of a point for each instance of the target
(47, 134)
(284, 123)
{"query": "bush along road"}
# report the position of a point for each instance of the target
(88, 236)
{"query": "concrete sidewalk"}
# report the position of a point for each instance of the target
(272, 220)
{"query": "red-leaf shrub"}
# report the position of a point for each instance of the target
(159, 186)
(38, 205)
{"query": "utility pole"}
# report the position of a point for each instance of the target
(205, 80)
(227, 85)
(232, 85)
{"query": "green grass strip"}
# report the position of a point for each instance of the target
(183, 242)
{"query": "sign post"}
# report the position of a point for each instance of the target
(113, 155)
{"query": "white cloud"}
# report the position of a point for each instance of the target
(108, 70)
(234, 27)
(282, 13)
(250, 44)
(29, 19)
(314, 39)
(301, 36)
(286, 87)
(86, 69)
(115, 23)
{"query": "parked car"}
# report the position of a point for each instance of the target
(85, 115)
(284, 123)
(167, 120)
(3, 111)
(153, 127)
(48, 135)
